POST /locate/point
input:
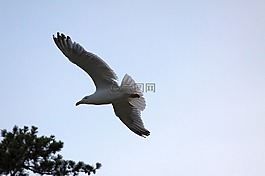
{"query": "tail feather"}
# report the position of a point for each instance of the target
(129, 86)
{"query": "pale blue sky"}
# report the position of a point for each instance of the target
(207, 58)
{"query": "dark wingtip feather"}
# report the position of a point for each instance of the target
(146, 133)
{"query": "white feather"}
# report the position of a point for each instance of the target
(129, 86)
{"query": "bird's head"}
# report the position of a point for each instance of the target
(85, 100)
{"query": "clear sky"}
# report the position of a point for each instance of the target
(206, 58)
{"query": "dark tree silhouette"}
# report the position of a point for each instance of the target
(22, 151)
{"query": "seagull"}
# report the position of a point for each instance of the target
(127, 99)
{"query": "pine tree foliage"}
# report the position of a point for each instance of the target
(21, 151)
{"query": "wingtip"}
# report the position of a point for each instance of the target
(61, 35)
(147, 133)
(56, 36)
(144, 133)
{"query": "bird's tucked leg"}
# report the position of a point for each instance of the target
(134, 96)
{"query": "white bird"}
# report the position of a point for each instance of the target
(127, 100)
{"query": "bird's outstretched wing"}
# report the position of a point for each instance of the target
(131, 117)
(99, 71)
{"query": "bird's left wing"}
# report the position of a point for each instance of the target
(131, 117)
(99, 71)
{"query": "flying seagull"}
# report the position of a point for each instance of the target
(127, 100)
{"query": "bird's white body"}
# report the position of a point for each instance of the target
(101, 97)
(127, 99)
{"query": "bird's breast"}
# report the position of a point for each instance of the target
(107, 97)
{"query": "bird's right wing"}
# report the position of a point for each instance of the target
(99, 71)
(131, 117)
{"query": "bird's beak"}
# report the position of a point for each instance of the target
(78, 103)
